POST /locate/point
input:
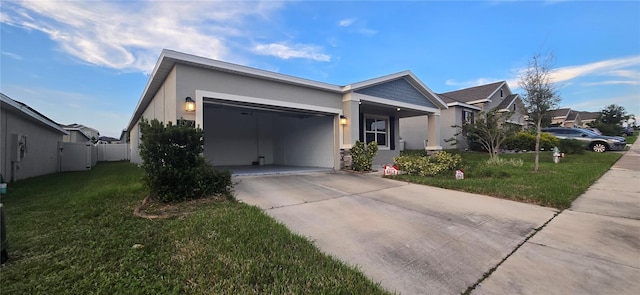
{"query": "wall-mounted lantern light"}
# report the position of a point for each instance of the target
(189, 104)
(343, 120)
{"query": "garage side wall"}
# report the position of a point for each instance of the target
(305, 142)
(41, 155)
(162, 107)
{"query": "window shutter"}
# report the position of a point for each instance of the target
(361, 120)
(392, 133)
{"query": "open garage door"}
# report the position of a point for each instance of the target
(244, 135)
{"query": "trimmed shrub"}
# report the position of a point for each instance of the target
(174, 168)
(525, 140)
(362, 155)
(571, 146)
(428, 165)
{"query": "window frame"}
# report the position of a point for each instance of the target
(387, 131)
(464, 118)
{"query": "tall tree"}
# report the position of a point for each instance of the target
(613, 114)
(610, 120)
(541, 94)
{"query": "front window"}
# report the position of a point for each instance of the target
(467, 117)
(376, 129)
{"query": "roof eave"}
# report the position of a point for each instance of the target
(27, 111)
(169, 58)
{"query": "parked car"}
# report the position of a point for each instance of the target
(595, 130)
(593, 141)
(626, 131)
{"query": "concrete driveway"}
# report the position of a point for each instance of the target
(413, 239)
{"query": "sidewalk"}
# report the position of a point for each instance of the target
(591, 248)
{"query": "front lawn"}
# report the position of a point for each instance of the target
(554, 185)
(631, 139)
(75, 233)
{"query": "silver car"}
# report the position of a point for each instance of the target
(593, 141)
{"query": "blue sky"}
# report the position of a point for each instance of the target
(88, 62)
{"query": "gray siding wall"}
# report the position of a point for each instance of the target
(398, 90)
(42, 146)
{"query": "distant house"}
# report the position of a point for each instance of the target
(251, 116)
(80, 133)
(463, 107)
(588, 117)
(565, 117)
(108, 140)
(28, 141)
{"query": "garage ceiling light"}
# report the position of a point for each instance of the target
(189, 104)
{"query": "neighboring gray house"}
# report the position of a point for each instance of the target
(28, 141)
(249, 114)
(80, 133)
(463, 107)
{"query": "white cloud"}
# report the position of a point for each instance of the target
(356, 26)
(12, 55)
(630, 102)
(130, 35)
(610, 67)
(346, 22)
(285, 51)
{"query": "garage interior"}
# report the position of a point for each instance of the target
(251, 139)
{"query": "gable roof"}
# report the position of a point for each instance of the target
(408, 76)
(80, 128)
(564, 112)
(30, 113)
(573, 115)
(474, 94)
(589, 115)
(169, 58)
(507, 102)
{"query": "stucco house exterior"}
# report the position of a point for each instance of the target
(28, 141)
(250, 115)
(463, 107)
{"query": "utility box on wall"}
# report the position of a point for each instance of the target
(18, 147)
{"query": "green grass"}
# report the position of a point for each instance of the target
(633, 138)
(554, 185)
(72, 233)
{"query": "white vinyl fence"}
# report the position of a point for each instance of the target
(75, 156)
(113, 152)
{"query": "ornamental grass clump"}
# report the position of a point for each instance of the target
(433, 165)
(175, 169)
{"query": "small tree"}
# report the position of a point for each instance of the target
(174, 167)
(490, 130)
(540, 94)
